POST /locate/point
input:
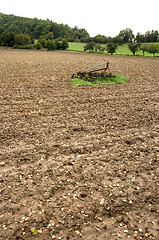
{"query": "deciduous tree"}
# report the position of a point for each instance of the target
(153, 48)
(7, 39)
(22, 39)
(89, 46)
(134, 47)
(126, 35)
(111, 48)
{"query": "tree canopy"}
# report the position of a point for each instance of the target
(36, 28)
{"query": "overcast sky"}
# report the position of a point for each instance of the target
(106, 17)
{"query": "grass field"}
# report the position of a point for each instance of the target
(121, 50)
(76, 46)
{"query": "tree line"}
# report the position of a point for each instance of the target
(23, 41)
(36, 28)
(133, 47)
(20, 31)
(126, 36)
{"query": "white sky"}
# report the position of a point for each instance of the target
(105, 17)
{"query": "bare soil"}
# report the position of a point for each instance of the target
(78, 162)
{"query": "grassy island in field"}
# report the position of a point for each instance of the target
(118, 79)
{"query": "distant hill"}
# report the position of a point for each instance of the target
(36, 28)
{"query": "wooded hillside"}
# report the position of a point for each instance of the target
(36, 28)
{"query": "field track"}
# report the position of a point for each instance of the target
(78, 162)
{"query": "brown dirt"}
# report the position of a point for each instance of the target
(78, 163)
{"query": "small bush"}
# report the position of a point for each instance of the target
(38, 46)
(64, 44)
(57, 45)
(42, 41)
(50, 45)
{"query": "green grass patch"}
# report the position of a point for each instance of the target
(118, 79)
(76, 46)
(124, 50)
(121, 50)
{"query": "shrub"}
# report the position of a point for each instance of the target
(64, 44)
(38, 45)
(42, 41)
(50, 45)
(61, 45)
(58, 44)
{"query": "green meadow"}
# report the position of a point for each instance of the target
(121, 50)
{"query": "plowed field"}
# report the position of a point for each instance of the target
(78, 162)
